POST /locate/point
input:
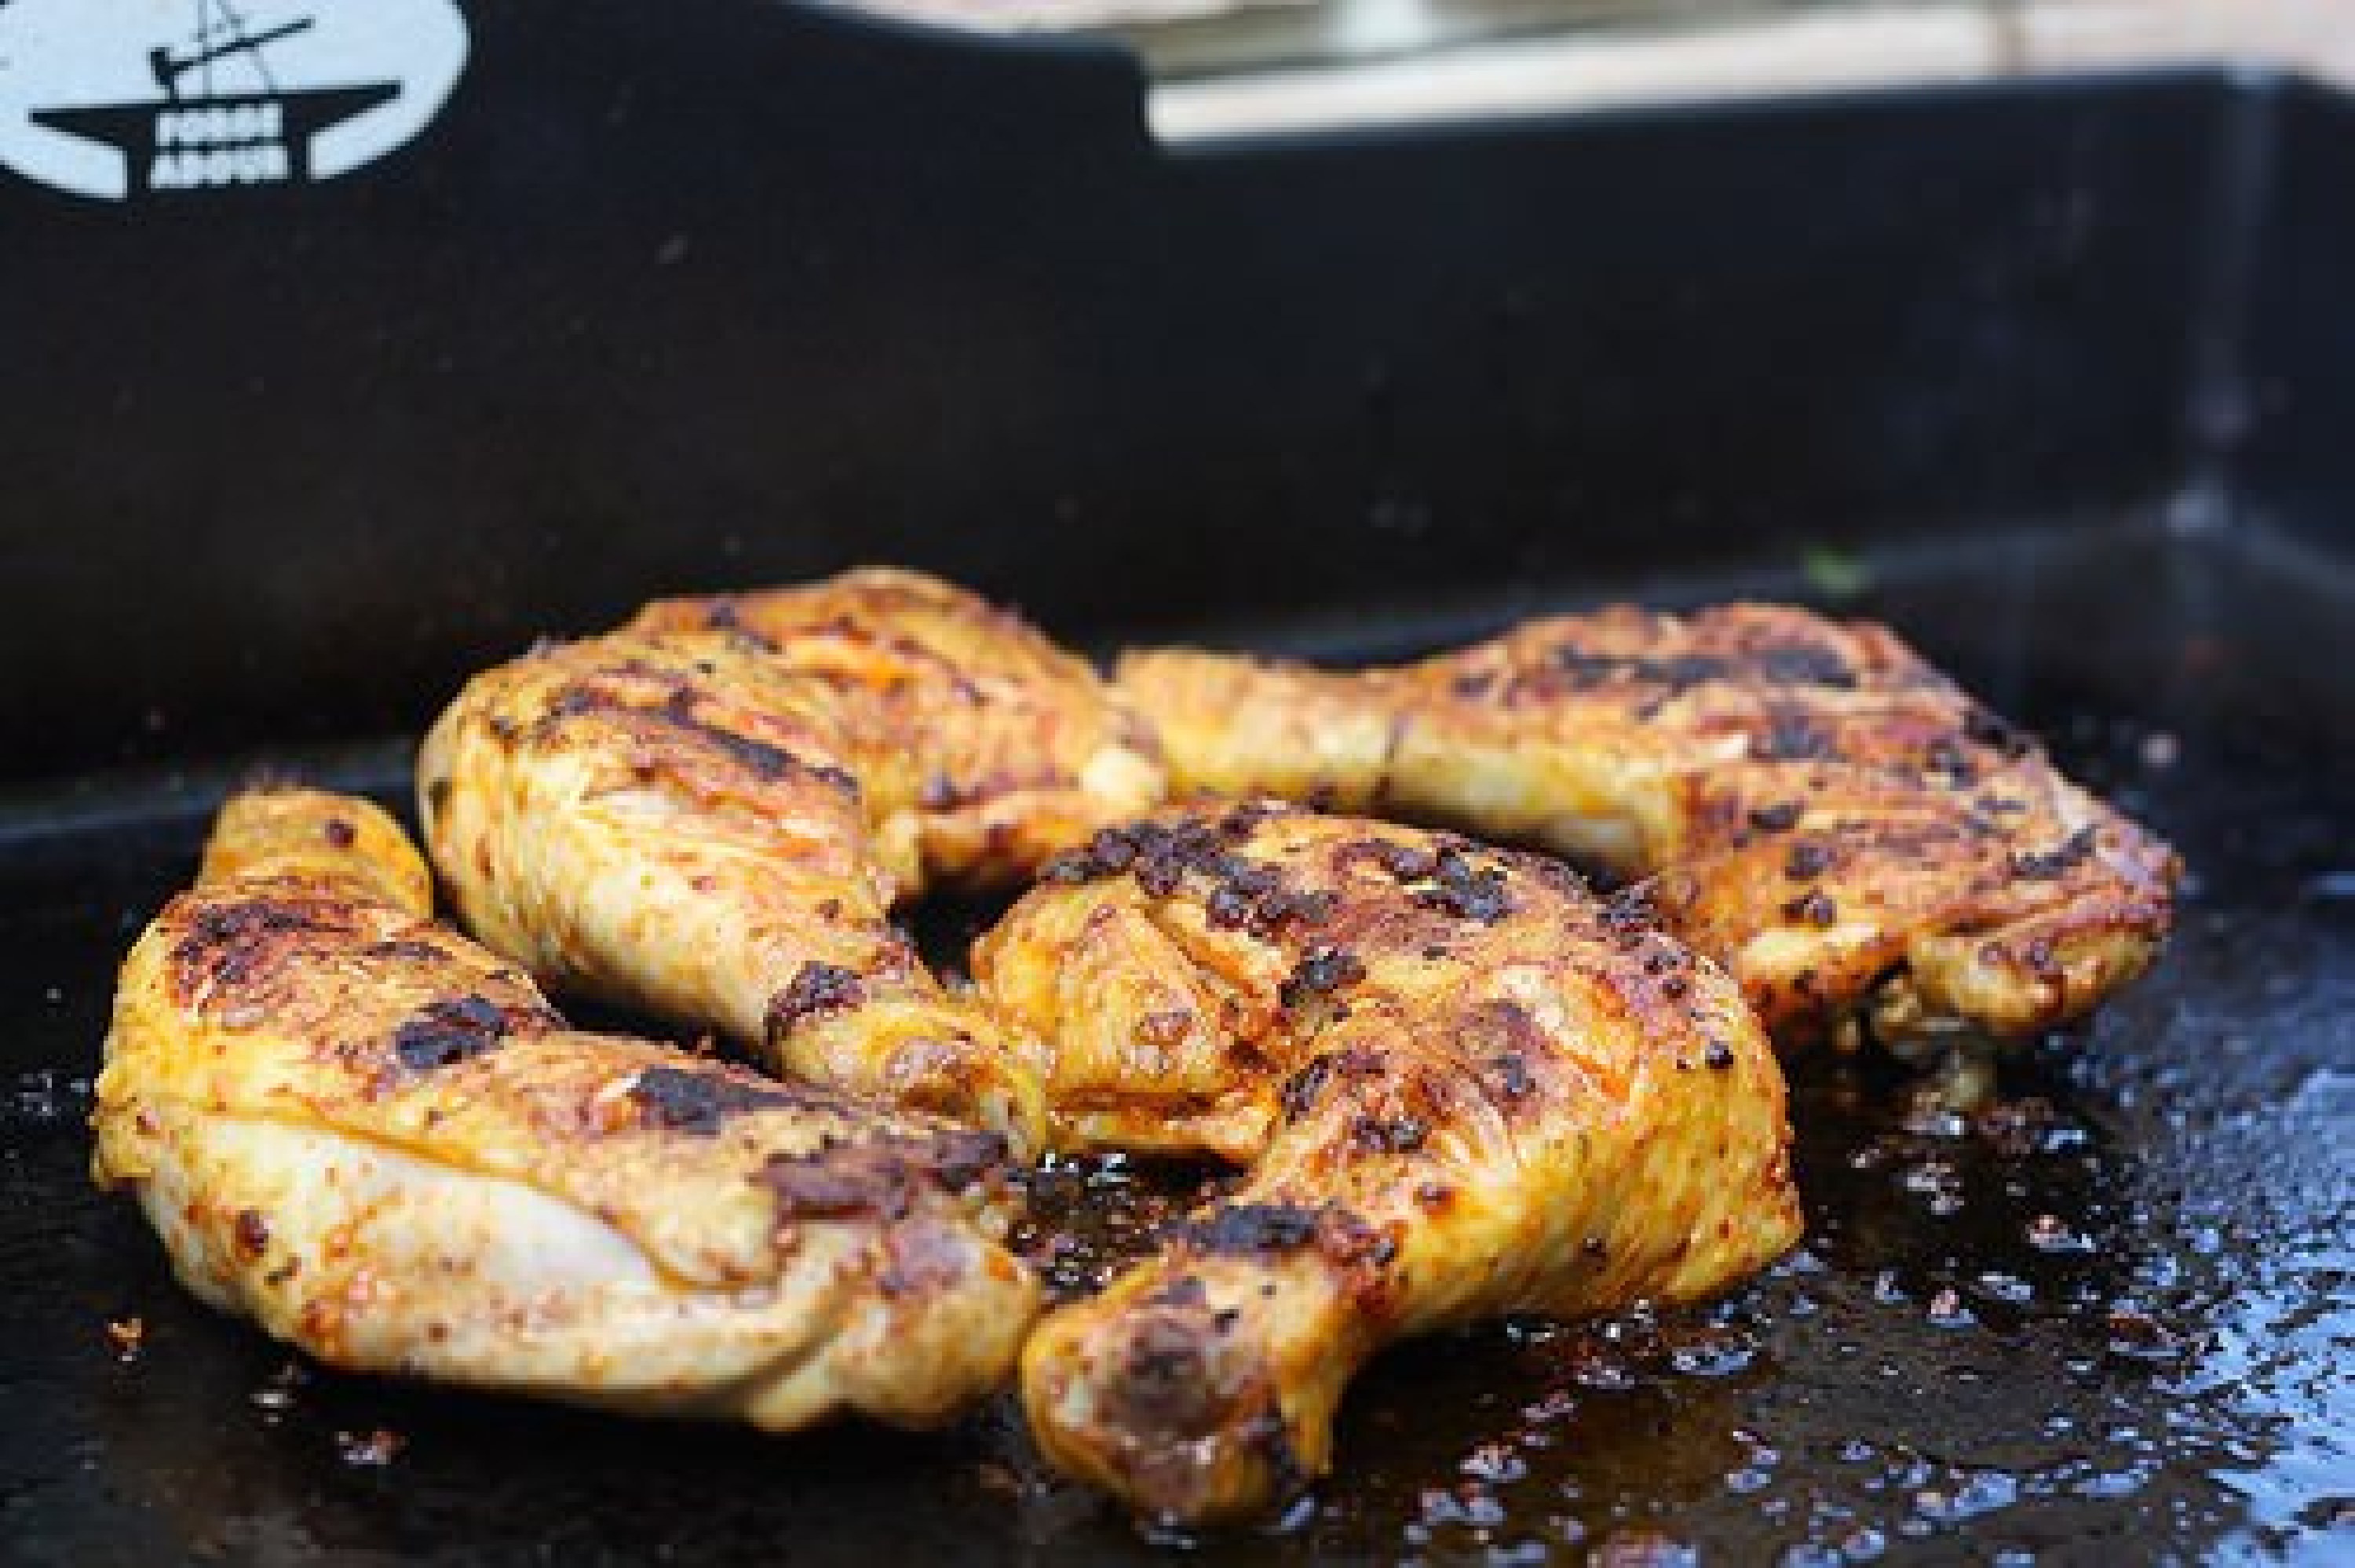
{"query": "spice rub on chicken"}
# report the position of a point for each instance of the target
(356, 1126)
(1462, 1086)
(1818, 809)
(710, 814)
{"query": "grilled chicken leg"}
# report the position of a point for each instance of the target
(1463, 1088)
(709, 815)
(1820, 810)
(356, 1126)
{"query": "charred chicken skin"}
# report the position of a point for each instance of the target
(1817, 808)
(1463, 1086)
(709, 815)
(356, 1126)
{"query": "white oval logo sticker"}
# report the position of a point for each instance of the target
(124, 99)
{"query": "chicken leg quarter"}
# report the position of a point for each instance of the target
(710, 814)
(353, 1125)
(1462, 1086)
(1820, 810)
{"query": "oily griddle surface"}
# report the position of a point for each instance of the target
(2110, 1317)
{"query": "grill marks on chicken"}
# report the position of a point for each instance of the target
(1461, 1084)
(710, 814)
(1464, 1086)
(976, 741)
(1818, 809)
(377, 1139)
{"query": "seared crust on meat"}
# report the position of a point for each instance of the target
(1464, 1088)
(994, 746)
(1820, 810)
(709, 815)
(377, 1139)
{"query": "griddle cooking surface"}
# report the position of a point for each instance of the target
(2110, 1317)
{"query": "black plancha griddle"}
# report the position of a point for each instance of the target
(2058, 379)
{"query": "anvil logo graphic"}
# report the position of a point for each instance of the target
(163, 98)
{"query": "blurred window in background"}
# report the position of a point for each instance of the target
(1235, 66)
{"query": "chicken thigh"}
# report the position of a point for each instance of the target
(1820, 810)
(1463, 1086)
(710, 815)
(375, 1139)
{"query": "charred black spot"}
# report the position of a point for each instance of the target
(1805, 665)
(679, 1100)
(1281, 909)
(1779, 818)
(338, 832)
(1229, 909)
(815, 989)
(444, 1034)
(1164, 856)
(1390, 1134)
(253, 1233)
(1630, 912)
(1815, 907)
(1320, 972)
(1250, 1229)
(1679, 672)
(1807, 861)
(2043, 865)
(1945, 756)
(1466, 891)
(574, 701)
(405, 947)
(1243, 895)
(1071, 867)
(1719, 1056)
(723, 615)
(763, 761)
(1300, 1090)
(682, 709)
(1791, 737)
(227, 943)
(1244, 819)
(1587, 668)
(1999, 734)
(880, 1176)
(1406, 861)
(1246, 877)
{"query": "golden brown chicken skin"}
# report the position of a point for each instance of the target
(995, 747)
(710, 816)
(1818, 809)
(356, 1126)
(1463, 1088)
